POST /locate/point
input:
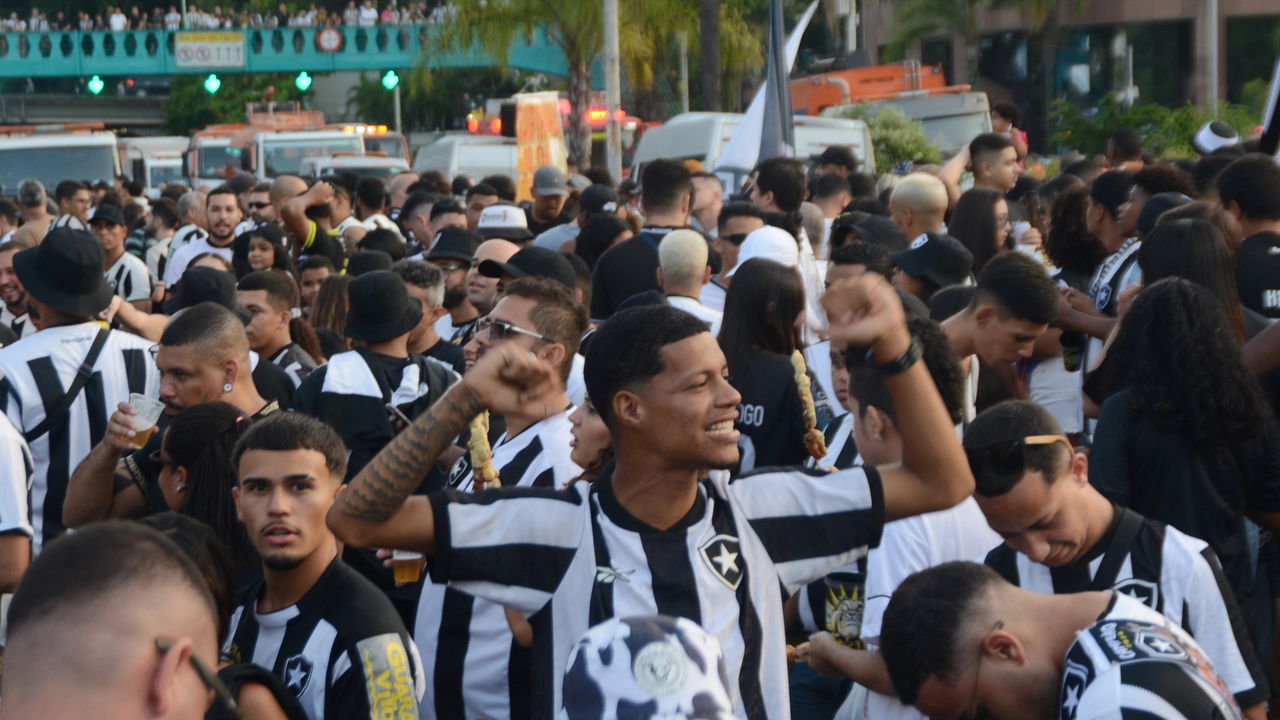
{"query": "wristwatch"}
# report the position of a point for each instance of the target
(899, 364)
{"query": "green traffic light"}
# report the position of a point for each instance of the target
(95, 84)
(390, 80)
(303, 81)
(212, 83)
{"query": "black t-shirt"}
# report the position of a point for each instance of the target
(1258, 273)
(273, 383)
(771, 415)
(537, 228)
(447, 353)
(624, 270)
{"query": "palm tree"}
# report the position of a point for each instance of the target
(709, 55)
(915, 20)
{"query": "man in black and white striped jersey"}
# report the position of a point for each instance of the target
(73, 199)
(655, 533)
(13, 314)
(465, 642)
(65, 287)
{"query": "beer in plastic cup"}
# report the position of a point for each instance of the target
(407, 566)
(144, 423)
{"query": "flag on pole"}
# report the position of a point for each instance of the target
(778, 134)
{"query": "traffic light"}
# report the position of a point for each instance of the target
(212, 83)
(390, 80)
(302, 82)
(95, 85)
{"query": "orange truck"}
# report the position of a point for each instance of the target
(811, 94)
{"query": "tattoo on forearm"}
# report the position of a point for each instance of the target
(381, 488)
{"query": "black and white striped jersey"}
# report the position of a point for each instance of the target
(342, 649)
(68, 221)
(15, 480)
(1171, 573)
(465, 642)
(295, 362)
(1134, 663)
(21, 325)
(569, 559)
(129, 278)
(842, 451)
(36, 373)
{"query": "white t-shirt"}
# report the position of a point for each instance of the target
(698, 310)
(183, 256)
(713, 295)
(368, 16)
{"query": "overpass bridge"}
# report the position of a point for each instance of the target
(76, 53)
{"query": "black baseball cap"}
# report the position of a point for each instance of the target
(940, 258)
(455, 243)
(108, 212)
(598, 198)
(836, 155)
(1156, 206)
(532, 261)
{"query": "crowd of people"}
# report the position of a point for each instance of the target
(116, 19)
(949, 443)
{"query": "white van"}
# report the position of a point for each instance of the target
(30, 152)
(377, 166)
(702, 136)
(949, 120)
(475, 156)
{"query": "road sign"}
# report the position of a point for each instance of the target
(209, 50)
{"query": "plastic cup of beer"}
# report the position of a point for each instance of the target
(144, 423)
(406, 565)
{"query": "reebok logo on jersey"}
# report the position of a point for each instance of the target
(297, 673)
(607, 575)
(720, 554)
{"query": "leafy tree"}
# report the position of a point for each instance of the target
(430, 101)
(1166, 132)
(191, 107)
(895, 137)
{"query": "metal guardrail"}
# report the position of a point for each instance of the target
(74, 53)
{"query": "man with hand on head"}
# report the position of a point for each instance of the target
(330, 635)
(665, 537)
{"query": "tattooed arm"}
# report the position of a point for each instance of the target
(375, 509)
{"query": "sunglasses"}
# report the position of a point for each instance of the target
(259, 206)
(222, 696)
(502, 330)
(1009, 457)
(736, 238)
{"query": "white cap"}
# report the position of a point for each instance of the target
(505, 221)
(770, 243)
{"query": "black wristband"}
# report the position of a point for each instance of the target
(899, 364)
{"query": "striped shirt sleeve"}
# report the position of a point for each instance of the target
(510, 545)
(811, 522)
(15, 474)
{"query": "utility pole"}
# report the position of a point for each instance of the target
(683, 39)
(613, 90)
(1211, 7)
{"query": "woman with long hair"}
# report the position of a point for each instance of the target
(592, 445)
(760, 330)
(1190, 441)
(197, 473)
(329, 314)
(599, 233)
(1197, 251)
(980, 221)
(1070, 245)
(267, 250)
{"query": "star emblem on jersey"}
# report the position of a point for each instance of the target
(297, 673)
(607, 575)
(720, 554)
(1158, 644)
(1073, 681)
(1144, 591)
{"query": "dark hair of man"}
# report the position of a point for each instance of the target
(1207, 169)
(419, 273)
(285, 431)
(737, 208)
(372, 193)
(973, 223)
(174, 191)
(555, 314)
(133, 187)
(1111, 190)
(1125, 144)
(280, 292)
(316, 262)
(626, 351)
(418, 202)
(342, 183)
(481, 188)
(599, 175)
(220, 190)
(1156, 179)
(503, 185)
(868, 205)
(67, 189)
(926, 621)
(1069, 243)
(209, 326)
(436, 182)
(166, 211)
(784, 177)
(760, 312)
(1013, 420)
(831, 185)
(384, 240)
(1008, 111)
(1173, 326)
(1212, 213)
(207, 552)
(948, 301)
(9, 211)
(866, 382)
(16, 244)
(201, 439)
(581, 275)
(1083, 169)
(861, 185)
(111, 197)
(987, 147)
(75, 572)
(423, 185)
(596, 236)
(1020, 288)
(1195, 250)
(446, 206)
(261, 188)
(874, 257)
(1252, 183)
(460, 185)
(664, 183)
(1051, 190)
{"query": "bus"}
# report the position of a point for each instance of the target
(53, 153)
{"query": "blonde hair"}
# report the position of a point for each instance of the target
(921, 193)
(682, 255)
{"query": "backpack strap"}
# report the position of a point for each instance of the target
(58, 412)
